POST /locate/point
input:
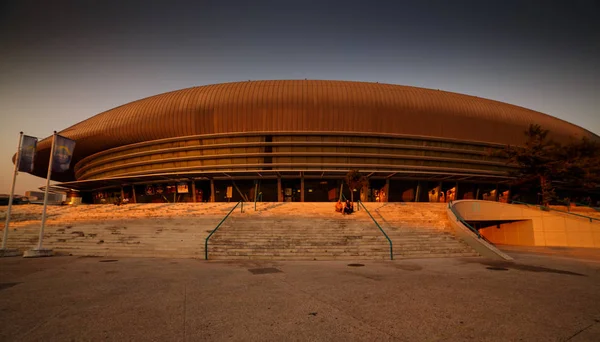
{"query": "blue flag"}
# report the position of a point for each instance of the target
(63, 153)
(27, 154)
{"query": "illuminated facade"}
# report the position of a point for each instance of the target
(295, 141)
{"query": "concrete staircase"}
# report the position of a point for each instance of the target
(276, 231)
(140, 230)
(298, 231)
(419, 230)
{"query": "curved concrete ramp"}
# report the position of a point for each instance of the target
(513, 224)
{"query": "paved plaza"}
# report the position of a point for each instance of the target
(540, 297)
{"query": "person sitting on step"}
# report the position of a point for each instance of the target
(339, 206)
(348, 208)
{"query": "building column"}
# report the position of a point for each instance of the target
(496, 196)
(279, 194)
(418, 194)
(387, 189)
(302, 188)
(477, 193)
(212, 190)
(133, 193)
(456, 192)
(122, 193)
(193, 191)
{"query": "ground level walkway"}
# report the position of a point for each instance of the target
(540, 297)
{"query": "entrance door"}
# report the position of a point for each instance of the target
(291, 190)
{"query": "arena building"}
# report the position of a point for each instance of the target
(295, 140)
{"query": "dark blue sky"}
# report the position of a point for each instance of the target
(65, 61)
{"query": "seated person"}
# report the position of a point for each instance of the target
(348, 208)
(339, 206)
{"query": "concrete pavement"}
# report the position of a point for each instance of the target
(539, 298)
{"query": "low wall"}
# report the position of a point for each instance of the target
(518, 233)
(479, 245)
(535, 227)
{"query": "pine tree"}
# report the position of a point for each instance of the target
(537, 161)
(574, 166)
(580, 165)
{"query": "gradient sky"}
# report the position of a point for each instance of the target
(65, 61)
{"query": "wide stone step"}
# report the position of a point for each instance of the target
(299, 257)
(297, 252)
(297, 235)
(133, 253)
(435, 255)
(336, 247)
(174, 250)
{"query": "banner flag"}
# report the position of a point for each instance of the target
(63, 152)
(27, 154)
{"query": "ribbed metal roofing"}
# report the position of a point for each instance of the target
(306, 105)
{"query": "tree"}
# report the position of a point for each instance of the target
(580, 165)
(355, 180)
(537, 161)
(575, 165)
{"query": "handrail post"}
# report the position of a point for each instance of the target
(378, 226)
(256, 198)
(217, 227)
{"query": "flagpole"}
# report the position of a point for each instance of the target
(12, 192)
(46, 192)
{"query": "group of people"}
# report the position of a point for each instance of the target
(121, 201)
(344, 208)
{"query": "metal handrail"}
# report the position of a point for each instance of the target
(381, 229)
(259, 196)
(462, 220)
(585, 205)
(527, 204)
(577, 204)
(542, 207)
(217, 227)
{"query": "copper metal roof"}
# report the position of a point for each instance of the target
(306, 105)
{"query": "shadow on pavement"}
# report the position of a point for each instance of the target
(497, 265)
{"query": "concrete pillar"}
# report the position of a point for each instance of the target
(279, 193)
(456, 192)
(418, 194)
(255, 190)
(212, 190)
(193, 191)
(133, 193)
(497, 186)
(387, 189)
(122, 193)
(302, 188)
(477, 193)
